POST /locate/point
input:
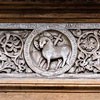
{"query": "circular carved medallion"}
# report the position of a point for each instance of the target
(50, 50)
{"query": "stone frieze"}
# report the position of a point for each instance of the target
(50, 50)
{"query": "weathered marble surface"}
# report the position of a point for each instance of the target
(44, 50)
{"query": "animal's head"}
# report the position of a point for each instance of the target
(43, 41)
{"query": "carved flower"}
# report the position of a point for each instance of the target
(85, 62)
(21, 64)
(88, 43)
(8, 66)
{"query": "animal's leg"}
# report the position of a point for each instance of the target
(42, 63)
(48, 64)
(58, 64)
(64, 60)
(40, 60)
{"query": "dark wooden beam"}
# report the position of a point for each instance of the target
(50, 11)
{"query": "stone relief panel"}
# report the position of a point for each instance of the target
(49, 50)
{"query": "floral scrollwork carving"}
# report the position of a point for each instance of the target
(88, 59)
(11, 53)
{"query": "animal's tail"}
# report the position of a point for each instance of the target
(69, 56)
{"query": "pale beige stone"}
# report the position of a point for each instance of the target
(49, 96)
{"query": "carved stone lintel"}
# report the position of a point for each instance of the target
(50, 50)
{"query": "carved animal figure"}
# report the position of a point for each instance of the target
(50, 52)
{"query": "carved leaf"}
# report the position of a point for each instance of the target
(81, 55)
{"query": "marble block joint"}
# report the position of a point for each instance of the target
(43, 50)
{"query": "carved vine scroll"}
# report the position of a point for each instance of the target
(49, 50)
